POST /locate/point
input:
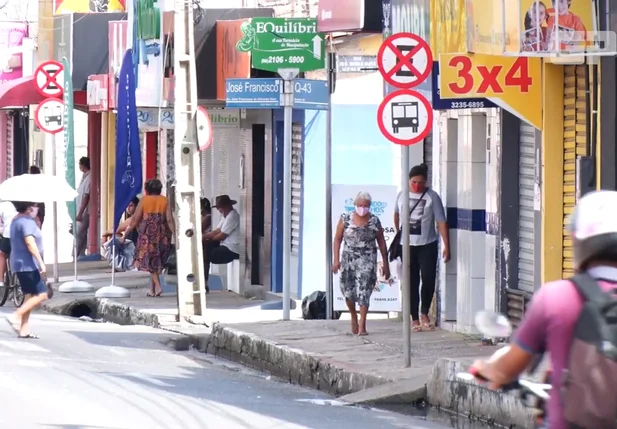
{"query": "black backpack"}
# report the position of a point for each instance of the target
(589, 389)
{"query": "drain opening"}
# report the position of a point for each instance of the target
(81, 310)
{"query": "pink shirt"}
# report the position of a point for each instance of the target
(549, 325)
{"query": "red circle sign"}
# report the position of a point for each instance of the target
(405, 117)
(204, 128)
(49, 79)
(405, 60)
(49, 116)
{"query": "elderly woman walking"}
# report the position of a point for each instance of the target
(362, 233)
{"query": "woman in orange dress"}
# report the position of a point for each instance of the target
(154, 222)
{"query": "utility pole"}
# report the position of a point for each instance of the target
(288, 76)
(189, 254)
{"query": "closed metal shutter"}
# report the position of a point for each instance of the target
(9, 146)
(203, 159)
(574, 144)
(527, 225)
(428, 157)
(296, 186)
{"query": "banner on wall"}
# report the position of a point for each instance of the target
(485, 26)
(86, 6)
(386, 294)
(554, 26)
(148, 51)
(12, 35)
(448, 27)
(512, 83)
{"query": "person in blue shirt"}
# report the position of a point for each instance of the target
(27, 262)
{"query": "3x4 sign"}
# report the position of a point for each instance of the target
(278, 43)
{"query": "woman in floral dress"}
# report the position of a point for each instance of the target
(362, 233)
(154, 223)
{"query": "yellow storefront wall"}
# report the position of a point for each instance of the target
(111, 168)
(484, 33)
(552, 171)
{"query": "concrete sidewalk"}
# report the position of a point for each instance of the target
(323, 355)
(141, 309)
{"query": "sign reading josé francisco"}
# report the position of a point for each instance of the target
(278, 43)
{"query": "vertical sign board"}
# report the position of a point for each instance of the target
(69, 138)
(405, 117)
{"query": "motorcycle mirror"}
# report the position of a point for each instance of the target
(493, 324)
(465, 376)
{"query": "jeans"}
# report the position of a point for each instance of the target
(216, 253)
(422, 264)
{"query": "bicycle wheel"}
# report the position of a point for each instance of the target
(5, 289)
(18, 296)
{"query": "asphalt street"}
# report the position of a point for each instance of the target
(86, 375)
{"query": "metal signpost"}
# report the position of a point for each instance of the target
(49, 117)
(405, 117)
(287, 46)
(331, 70)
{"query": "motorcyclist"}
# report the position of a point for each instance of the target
(549, 322)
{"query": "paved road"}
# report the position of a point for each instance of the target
(83, 375)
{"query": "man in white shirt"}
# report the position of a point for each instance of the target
(82, 203)
(7, 213)
(222, 245)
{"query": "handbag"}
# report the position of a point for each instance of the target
(395, 250)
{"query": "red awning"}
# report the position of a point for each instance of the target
(19, 93)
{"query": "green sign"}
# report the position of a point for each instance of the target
(69, 135)
(283, 43)
(148, 20)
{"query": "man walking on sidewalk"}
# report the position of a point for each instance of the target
(83, 201)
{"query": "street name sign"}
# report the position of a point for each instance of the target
(268, 94)
(279, 43)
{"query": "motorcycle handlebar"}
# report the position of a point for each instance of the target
(539, 390)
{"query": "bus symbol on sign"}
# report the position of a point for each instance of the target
(405, 115)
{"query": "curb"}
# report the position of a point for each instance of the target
(292, 365)
(103, 308)
(471, 399)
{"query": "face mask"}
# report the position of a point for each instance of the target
(34, 211)
(416, 187)
(362, 211)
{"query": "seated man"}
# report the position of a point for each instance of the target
(222, 245)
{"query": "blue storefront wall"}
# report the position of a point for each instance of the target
(278, 175)
(360, 155)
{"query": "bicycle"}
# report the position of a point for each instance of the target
(11, 288)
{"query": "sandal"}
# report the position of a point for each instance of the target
(154, 295)
(29, 336)
(14, 326)
(426, 323)
(416, 328)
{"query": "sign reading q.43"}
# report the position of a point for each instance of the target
(510, 82)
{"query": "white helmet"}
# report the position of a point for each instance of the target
(593, 226)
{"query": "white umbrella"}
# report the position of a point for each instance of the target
(37, 188)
